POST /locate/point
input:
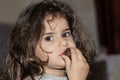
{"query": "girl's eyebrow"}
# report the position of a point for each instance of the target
(51, 33)
(66, 29)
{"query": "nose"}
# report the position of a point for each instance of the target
(63, 42)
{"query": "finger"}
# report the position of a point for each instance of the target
(80, 55)
(67, 61)
(73, 54)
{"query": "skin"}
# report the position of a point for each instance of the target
(56, 39)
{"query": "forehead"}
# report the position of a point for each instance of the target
(52, 23)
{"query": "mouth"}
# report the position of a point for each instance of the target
(67, 52)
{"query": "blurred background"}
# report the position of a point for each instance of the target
(102, 17)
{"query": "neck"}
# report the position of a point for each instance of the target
(55, 72)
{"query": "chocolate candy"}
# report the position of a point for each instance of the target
(68, 53)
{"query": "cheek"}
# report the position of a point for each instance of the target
(71, 43)
(40, 54)
(48, 47)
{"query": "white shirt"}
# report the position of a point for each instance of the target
(47, 76)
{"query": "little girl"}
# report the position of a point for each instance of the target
(49, 43)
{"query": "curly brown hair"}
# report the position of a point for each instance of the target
(21, 61)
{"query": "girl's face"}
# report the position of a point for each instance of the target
(56, 39)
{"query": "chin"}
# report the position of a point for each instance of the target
(61, 68)
(62, 65)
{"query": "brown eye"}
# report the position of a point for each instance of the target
(66, 34)
(49, 38)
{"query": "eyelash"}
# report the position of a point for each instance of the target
(64, 35)
(49, 38)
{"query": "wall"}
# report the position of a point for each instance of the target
(10, 9)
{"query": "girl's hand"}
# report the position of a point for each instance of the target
(77, 68)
